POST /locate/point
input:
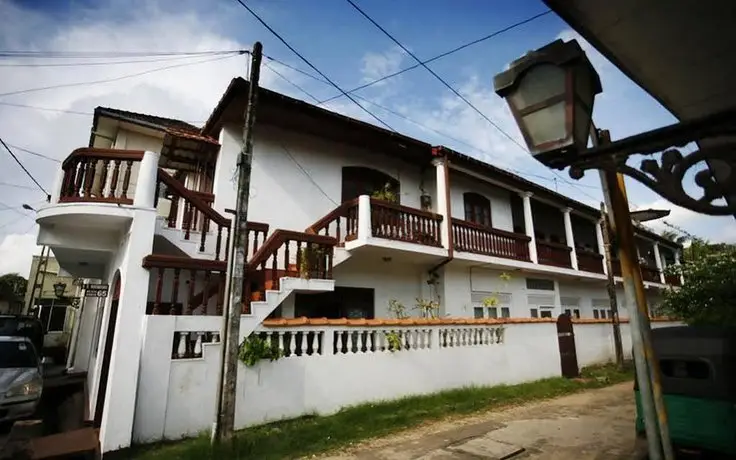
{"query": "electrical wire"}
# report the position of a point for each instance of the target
(72, 112)
(445, 54)
(31, 152)
(22, 167)
(312, 66)
(105, 63)
(122, 77)
(25, 187)
(106, 54)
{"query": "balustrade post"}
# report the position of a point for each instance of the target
(145, 190)
(329, 341)
(570, 238)
(365, 228)
(529, 225)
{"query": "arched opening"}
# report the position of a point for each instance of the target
(359, 180)
(107, 350)
(477, 209)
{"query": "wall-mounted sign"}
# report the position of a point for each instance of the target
(96, 290)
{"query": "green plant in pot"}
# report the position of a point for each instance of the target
(386, 194)
(310, 260)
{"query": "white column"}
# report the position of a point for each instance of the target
(529, 225)
(145, 190)
(122, 384)
(658, 261)
(570, 238)
(677, 262)
(365, 229)
(601, 243)
(442, 207)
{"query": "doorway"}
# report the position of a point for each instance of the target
(566, 341)
(107, 353)
(343, 302)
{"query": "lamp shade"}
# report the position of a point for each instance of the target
(59, 289)
(551, 92)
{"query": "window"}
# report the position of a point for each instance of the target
(603, 314)
(357, 180)
(568, 312)
(505, 312)
(546, 313)
(685, 369)
(595, 314)
(478, 312)
(576, 313)
(610, 314)
(492, 312)
(477, 209)
(540, 284)
(534, 312)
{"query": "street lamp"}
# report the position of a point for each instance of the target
(645, 215)
(59, 289)
(551, 92)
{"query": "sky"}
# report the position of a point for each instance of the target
(50, 111)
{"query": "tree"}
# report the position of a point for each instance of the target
(13, 289)
(708, 295)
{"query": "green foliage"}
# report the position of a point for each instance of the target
(394, 341)
(708, 295)
(310, 260)
(386, 194)
(13, 288)
(397, 309)
(427, 308)
(309, 435)
(255, 348)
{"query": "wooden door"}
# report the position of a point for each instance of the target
(566, 341)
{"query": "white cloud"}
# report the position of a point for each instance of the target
(16, 253)
(378, 65)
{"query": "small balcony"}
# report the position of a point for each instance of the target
(590, 261)
(556, 254)
(479, 239)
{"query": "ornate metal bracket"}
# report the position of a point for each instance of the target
(666, 176)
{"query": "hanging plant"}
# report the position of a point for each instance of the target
(255, 348)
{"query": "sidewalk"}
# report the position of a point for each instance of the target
(596, 424)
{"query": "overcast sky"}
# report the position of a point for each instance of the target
(333, 36)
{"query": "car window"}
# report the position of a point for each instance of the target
(17, 354)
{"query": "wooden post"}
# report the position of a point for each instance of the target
(611, 285)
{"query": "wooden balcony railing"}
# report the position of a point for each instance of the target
(672, 280)
(203, 279)
(479, 239)
(649, 273)
(395, 222)
(288, 253)
(98, 175)
(345, 218)
(557, 254)
(590, 261)
(194, 203)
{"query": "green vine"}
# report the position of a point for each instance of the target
(255, 348)
(394, 341)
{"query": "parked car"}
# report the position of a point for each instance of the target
(21, 378)
(23, 326)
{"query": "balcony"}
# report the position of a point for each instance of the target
(650, 273)
(556, 254)
(479, 239)
(590, 261)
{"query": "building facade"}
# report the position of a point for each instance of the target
(346, 220)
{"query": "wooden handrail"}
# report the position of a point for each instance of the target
(279, 237)
(406, 209)
(109, 154)
(496, 231)
(339, 211)
(585, 252)
(191, 196)
(554, 245)
(183, 263)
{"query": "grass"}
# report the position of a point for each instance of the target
(309, 435)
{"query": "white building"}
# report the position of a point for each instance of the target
(145, 209)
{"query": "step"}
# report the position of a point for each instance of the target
(78, 444)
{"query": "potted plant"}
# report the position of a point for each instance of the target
(386, 194)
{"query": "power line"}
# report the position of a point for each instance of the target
(291, 82)
(71, 112)
(31, 152)
(445, 54)
(104, 63)
(25, 187)
(109, 80)
(306, 61)
(106, 54)
(22, 167)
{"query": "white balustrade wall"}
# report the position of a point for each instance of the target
(327, 367)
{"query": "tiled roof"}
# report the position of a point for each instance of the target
(304, 321)
(163, 122)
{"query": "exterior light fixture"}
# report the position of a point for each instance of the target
(645, 215)
(551, 92)
(59, 289)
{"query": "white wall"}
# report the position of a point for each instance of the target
(500, 200)
(178, 396)
(287, 197)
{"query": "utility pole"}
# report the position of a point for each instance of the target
(611, 285)
(238, 272)
(647, 366)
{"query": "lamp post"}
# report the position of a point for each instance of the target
(551, 93)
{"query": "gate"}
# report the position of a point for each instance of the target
(566, 340)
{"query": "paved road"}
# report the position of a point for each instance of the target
(597, 424)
